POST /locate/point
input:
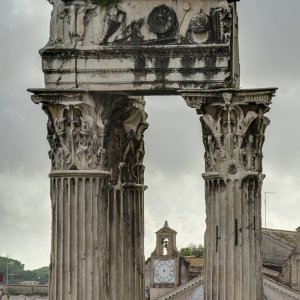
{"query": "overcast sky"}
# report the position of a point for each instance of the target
(269, 50)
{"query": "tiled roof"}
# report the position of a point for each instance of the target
(285, 236)
(271, 273)
(195, 261)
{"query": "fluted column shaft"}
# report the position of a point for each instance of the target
(79, 243)
(97, 195)
(233, 125)
(233, 238)
(126, 241)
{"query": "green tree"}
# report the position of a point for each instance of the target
(193, 250)
(16, 272)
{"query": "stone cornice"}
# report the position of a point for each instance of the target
(123, 51)
(197, 98)
(281, 288)
(183, 288)
(277, 241)
(55, 96)
(79, 173)
(226, 176)
(51, 96)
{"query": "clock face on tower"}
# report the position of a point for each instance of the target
(164, 271)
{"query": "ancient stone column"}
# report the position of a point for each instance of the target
(295, 263)
(97, 194)
(233, 125)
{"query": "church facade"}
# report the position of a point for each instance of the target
(168, 274)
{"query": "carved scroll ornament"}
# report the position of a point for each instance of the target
(132, 168)
(124, 139)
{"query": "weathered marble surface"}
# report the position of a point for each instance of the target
(97, 194)
(140, 22)
(142, 46)
(97, 59)
(233, 125)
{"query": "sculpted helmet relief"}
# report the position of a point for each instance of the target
(88, 23)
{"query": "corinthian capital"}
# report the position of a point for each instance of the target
(233, 125)
(75, 131)
(96, 132)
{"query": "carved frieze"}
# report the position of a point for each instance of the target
(86, 23)
(151, 46)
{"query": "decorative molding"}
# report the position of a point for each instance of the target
(195, 99)
(233, 133)
(113, 52)
(81, 23)
(75, 135)
(276, 241)
(160, 86)
(281, 288)
(57, 96)
(183, 288)
(132, 70)
(80, 173)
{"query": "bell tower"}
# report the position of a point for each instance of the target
(165, 263)
(165, 242)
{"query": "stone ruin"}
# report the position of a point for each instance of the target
(98, 64)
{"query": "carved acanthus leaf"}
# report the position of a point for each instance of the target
(233, 139)
(246, 122)
(75, 136)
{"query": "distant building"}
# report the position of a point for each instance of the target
(23, 292)
(281, 256)
(35, 283)
(171, 276)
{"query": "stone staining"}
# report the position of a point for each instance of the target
(97, 60)
(77, 22)
(86, 39)
(233, 124)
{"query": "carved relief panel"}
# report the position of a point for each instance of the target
(147, 46)
(140, 22)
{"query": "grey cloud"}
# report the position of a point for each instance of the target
(269, 47)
